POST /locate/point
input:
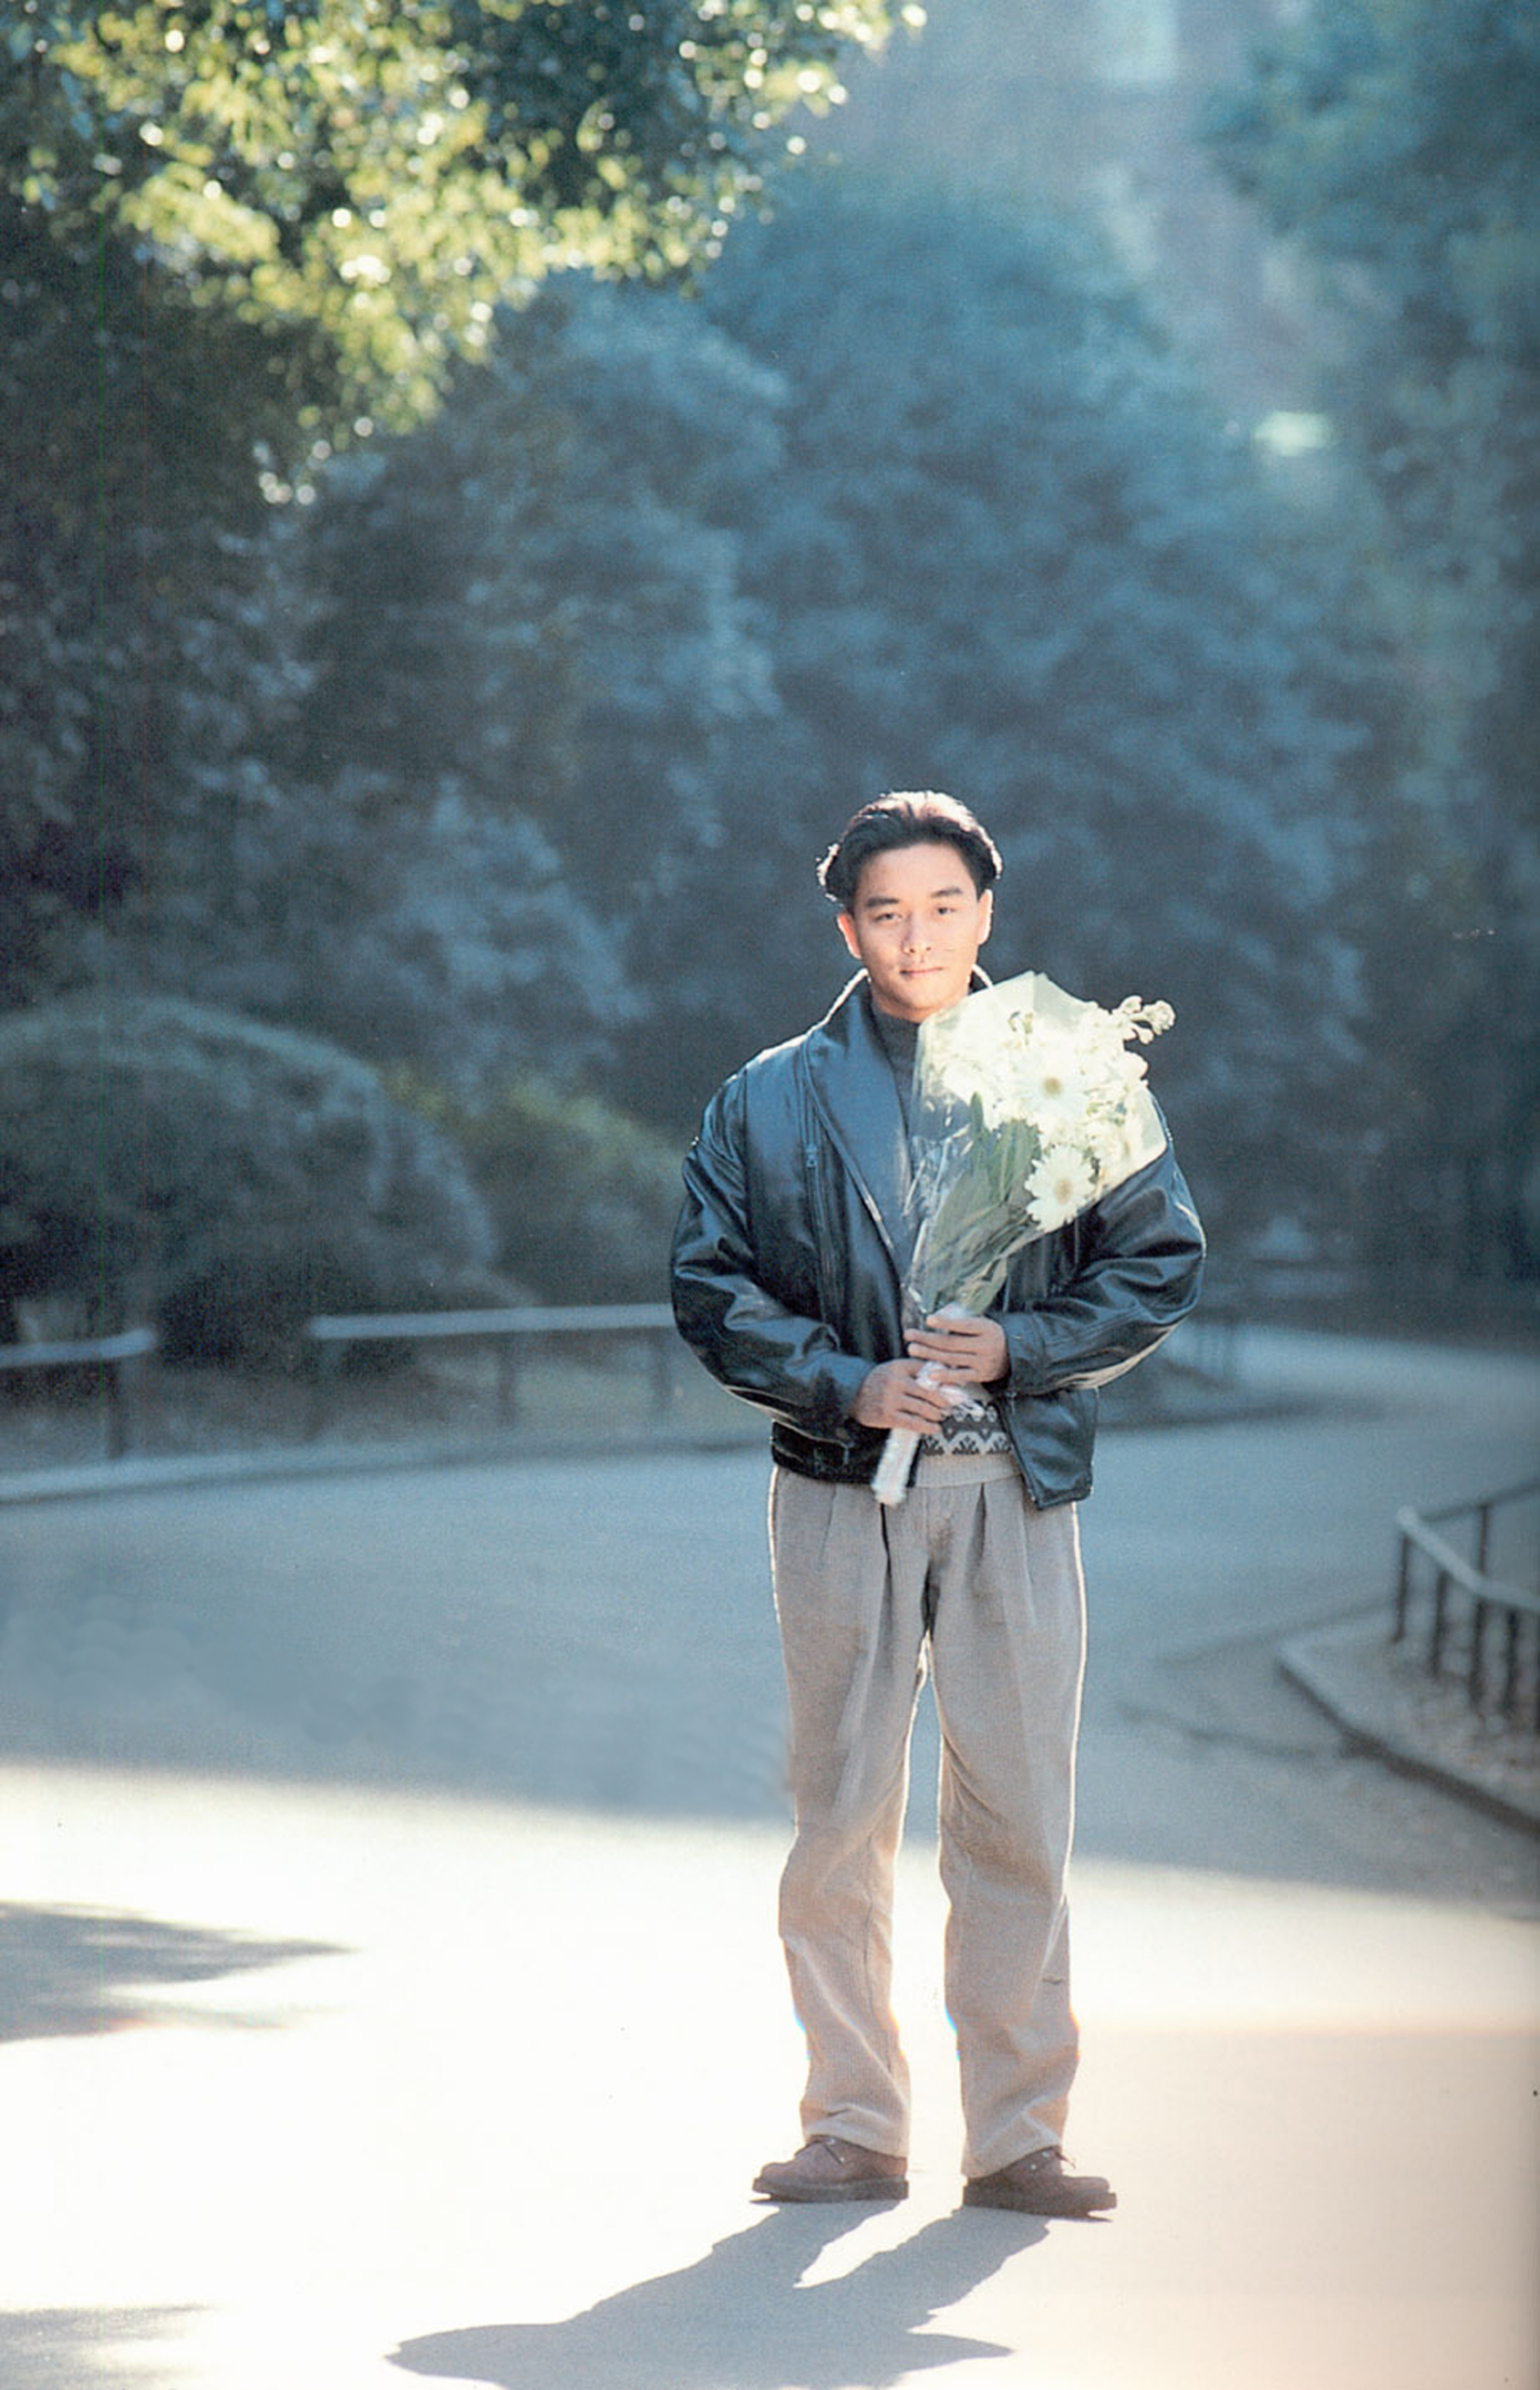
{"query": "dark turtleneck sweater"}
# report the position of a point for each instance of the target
(975, 1429)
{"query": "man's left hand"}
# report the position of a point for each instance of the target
(965, 1344)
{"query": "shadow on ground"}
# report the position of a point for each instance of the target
(743, 2314)
(71, 1970)
(83, 2348)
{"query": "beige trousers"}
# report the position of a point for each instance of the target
(967, 1573)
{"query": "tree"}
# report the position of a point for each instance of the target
(407, 925)
(669, 586)
(607, 1239)
(1394, 142)
(227, 1179)
(380, 176)
(511, 659)
(524, 658)
(129, 518)
(1008, 552)
(238, 236)
(535, 593)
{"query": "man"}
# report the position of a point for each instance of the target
(787, 1264)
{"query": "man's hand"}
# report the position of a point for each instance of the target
(963, 1345)
(906, 1393)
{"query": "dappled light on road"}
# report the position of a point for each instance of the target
(507, 2132)
(458, 1795)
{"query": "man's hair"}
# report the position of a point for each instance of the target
(908, 818)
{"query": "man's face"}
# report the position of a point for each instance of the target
(917, 923)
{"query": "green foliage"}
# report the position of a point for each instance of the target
(164, 1160)
(971, 1205)
(397, 921)
(1397, 139)
(237, 235)
(1395, 142)
(583, 1199)
(510, 739)
(1009, 552)
(683, 583)
(376, 177)
(529, 593)
(128, 504)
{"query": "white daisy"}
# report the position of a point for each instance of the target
(1062, 1184)
(1052, 1086)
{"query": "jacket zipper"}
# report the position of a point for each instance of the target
(823, 1226)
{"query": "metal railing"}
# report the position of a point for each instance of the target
(511, 1334)
(120, 1360)
(1462, 1606)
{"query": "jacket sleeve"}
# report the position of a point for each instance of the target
(1137, 1267)
(759, 1346)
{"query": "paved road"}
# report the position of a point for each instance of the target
(415, 1837)
(599, 1633)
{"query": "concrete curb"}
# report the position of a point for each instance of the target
(1422, 1728)
(140, 1473)
(154, 1474)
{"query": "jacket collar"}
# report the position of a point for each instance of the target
(851, 1082)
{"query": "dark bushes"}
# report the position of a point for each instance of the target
(161, 1162)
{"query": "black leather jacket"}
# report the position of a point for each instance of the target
(787, 1268)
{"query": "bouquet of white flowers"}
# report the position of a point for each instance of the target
(1028, 1105)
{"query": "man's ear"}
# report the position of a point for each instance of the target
(847, 931)
(986, 913)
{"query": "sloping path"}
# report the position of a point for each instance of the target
(388, 1968)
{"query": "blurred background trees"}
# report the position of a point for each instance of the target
(240, 239)
(474, 524)
(1397, 143)
(1012, 549)
(234, 1177)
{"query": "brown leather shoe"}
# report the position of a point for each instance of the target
(1041, 2185)
(827, 2168)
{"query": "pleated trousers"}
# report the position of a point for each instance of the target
(967, 1578)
